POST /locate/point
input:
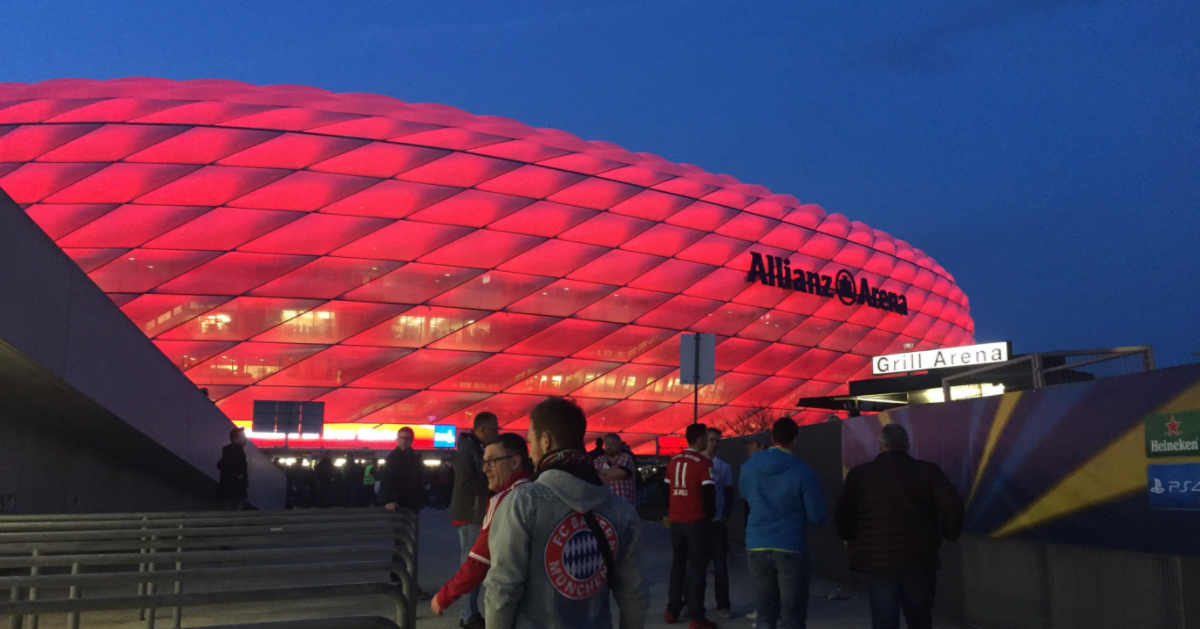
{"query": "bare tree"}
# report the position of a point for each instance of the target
(751, 421)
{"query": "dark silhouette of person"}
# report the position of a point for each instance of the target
(352, 480)
(235, 473)
(893, 514)
(323, 478)
(400, 485)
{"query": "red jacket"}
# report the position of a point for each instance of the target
(470, 575)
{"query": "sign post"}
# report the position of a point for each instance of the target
(697, 364)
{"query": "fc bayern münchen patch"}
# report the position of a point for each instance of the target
(573, 560)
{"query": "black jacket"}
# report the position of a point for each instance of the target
(235, 473)
(400, 480)
(469, 501)
(895, 511)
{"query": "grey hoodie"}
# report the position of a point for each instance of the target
(546, 568)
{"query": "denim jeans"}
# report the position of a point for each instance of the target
(910, 592)
(780, 582)
(691, 544)
(720, 564)
(469, 604)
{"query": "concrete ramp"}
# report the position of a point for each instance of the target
(93, 417)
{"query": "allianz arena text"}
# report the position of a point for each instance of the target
(417, 264)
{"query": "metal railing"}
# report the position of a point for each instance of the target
(1035, 371)
(76, 554)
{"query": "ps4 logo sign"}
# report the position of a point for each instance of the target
(776, 271)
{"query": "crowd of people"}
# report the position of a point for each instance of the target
(549, 531)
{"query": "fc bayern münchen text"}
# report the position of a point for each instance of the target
(775, 271)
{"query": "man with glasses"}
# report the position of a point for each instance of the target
(506, 464)
(468, 503)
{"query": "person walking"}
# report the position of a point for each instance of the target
(783, 497)
(400, 484)
(691, 507)
(563, 543)
(506, 463)
(234, 472)
(893, 514)
(352, 481)
(722, 475)
(469, 500)
(617, 469)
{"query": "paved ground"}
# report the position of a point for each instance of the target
(833, 605)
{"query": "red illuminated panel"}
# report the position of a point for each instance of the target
(492, 290)
(562, 298)
(431, 406)
(315, 234)
(335, 367)
(494, 333)
(416, 264)
(61, 219)
(417, 327)
(351, 405)
(241, 318)
(326, 278)
(495, 374)
(623, 381)
(156, 314)
(222, 229)
(234, 273)
(563, 378)
(413, 283)
(249, 362)
(130, 225)
(626, 343)
(420, 369)
(403, 240)
(331, 323)
(564, 338)
(143, 269)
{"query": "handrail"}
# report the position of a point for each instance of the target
(343, 542)
(343, 622)
(202, 522)
(206, 542)
(79, 605)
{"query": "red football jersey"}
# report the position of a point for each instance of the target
(687, 472)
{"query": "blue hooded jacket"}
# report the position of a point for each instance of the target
(784, 496)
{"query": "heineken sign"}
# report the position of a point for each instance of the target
(1173, 434)
(776, 271)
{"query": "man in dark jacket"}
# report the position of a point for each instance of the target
(894, 512)
(400, 485)
(235, 473)
(468, 503)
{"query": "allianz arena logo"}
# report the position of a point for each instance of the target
(772, 270)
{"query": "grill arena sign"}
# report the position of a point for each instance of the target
(776, 271)
(967, 355)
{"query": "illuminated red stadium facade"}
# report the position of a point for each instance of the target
(419, 264)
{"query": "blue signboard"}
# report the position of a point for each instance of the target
(443, 437)
(1175, 487)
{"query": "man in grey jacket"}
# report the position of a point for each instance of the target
(468, 502)
(548, 569)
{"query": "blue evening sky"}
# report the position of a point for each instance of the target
(1044, 152)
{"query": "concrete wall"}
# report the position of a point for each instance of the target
(52, 314)
(42, 472)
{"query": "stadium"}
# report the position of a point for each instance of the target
(418, 264)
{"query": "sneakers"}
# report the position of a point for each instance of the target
(476, 622)
(670, 618)
(752, 615)
(702, 623)
(724, 612)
